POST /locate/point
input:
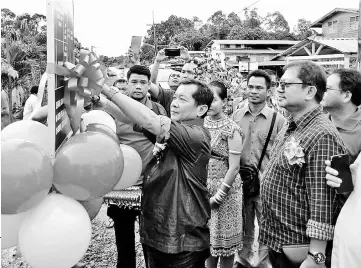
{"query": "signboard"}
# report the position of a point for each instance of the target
(60, 48)
(246, 66)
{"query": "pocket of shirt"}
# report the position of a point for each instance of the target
(263, 137)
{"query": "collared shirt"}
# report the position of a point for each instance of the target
(165, 98)
(350, 132)
(29, 106)
(175, 203)
(131, 135)
(297, 204)
(256, 128)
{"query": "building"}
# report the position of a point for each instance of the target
(247, 54)
(336, 47)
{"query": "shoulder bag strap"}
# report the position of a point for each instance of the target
(268, 139)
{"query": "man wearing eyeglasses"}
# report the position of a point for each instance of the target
(255, 119)
(298, 207)
(341, 101)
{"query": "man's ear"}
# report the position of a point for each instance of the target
(201, 110)
(348, 96)
(311, 92)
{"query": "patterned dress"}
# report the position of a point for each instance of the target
(226, 222)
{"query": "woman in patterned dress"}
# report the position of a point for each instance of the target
(224, 183)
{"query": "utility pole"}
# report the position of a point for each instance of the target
(359, 39)
(155, 41)
(154, 36)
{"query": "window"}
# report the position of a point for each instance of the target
(332, 26)
(225, 46)
(353, 23)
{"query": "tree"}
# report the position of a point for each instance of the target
(192, 40)
(303, 30)
(167, 29)
(276, 22)
(249, 29)
(233, 20)
(220, 26)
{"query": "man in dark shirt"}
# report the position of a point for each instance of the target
(128, 205)
(298, 207)
(175, 203)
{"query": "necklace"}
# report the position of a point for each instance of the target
(209, 123)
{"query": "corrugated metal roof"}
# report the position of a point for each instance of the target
(344, 45)
(318, 23)
(253, 42)
(251, 51)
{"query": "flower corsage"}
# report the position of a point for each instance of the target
(294, 152)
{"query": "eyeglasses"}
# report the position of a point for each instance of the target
(283, 85)
(175, 75)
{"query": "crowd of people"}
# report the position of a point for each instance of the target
(199, 138)
(196, 209)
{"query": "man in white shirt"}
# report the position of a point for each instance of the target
(30, 102)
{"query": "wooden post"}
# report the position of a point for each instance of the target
(359, 39)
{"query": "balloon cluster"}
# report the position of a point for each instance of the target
(47, 204)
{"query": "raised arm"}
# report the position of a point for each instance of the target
(135, 111)
(155, 69)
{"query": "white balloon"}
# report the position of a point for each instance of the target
(132, 168)
(97, 117)
(10, 225)
(56, 234)
(28, 130)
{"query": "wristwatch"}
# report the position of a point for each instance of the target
(318, 257)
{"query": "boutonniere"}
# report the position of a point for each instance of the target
(294, 152)
(158, 150)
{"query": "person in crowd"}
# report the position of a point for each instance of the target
(5, 110)
(121, 84)
(175, 202)
(224, 183)
(346, 251)
(174, 77)
(241, 101)
(30, 102)
(341, 101)
(256, 118)
(132, 134)
(298, 206)
(165, 96)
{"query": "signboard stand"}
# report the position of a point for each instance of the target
(60, 48)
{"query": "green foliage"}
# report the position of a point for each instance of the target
(302, 30)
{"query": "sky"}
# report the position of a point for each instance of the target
(109, 24)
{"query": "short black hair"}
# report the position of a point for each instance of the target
(139, 69)
(260, 73)
(311, 74)
(350, 80)
(222, 89)
(270, 72)
(121, 80)
(203, 95)
(34, 90)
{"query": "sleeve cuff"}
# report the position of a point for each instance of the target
(165, 123)
(318, 230)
